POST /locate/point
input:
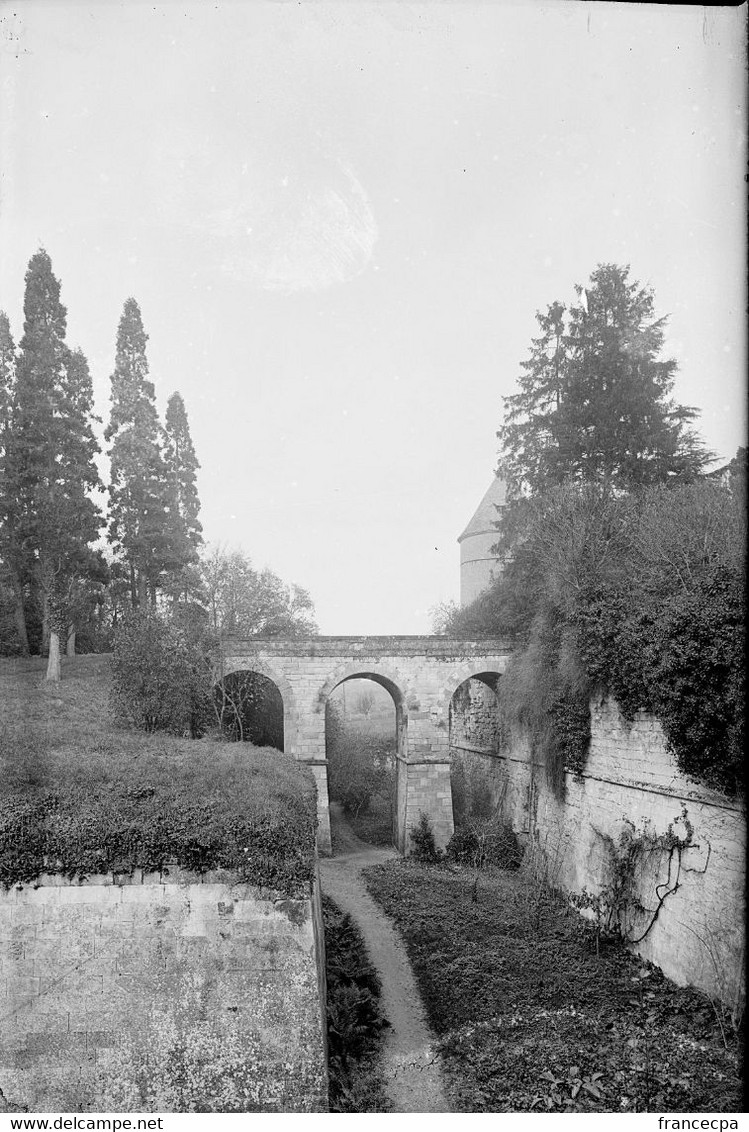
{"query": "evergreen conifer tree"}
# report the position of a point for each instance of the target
(594, 403)
(49, 461)
(185, 530)
(7, 377)
(138, 491)
(10, 559)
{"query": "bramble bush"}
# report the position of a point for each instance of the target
(486, 843)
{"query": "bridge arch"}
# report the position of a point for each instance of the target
(476, 771)
(383, 675)
(290, 709)
(487, 669)
(393, 683)
(387, 678)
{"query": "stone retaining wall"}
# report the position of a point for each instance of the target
(161, 993)
(698, 935)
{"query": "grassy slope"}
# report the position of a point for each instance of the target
(80, 794)
(527, 1013)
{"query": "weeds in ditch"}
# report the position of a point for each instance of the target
(355, 1019)
(529, 1019)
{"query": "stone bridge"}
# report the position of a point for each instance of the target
(421, 674)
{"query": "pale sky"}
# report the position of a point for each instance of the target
(339, 221)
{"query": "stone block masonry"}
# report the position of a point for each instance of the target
(161, 993)
(698, 937)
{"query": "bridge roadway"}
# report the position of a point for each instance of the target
(420, 673)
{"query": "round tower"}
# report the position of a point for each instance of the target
(478, 566)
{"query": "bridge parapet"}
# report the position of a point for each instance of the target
(445, 648)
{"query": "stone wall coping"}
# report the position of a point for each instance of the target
(172, 876)
(395, 645)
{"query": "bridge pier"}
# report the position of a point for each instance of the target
(319, 768)
(423, 787)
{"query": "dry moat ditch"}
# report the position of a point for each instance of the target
(530, 1016)
(510, 1007)
(522, 1011)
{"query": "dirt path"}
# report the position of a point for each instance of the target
(413, 1078)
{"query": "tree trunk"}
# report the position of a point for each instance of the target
(133, 587)
(70, 644)
(53, 664)
(46, 628)
(19, 613)
(142, 590)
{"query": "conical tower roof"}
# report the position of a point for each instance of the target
(485, 516)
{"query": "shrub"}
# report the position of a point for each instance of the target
(422, 836)
(463, 846)
(489, 843)
(161, 676)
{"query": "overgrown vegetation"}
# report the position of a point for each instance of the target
(481, 836)
(486, 843)
(249, 708)
(639, 596)
(162, 676)
(355, 1018)
(81, 796)
(168, 675)
(530, 1019)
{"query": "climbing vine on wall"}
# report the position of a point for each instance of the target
(635, 861)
